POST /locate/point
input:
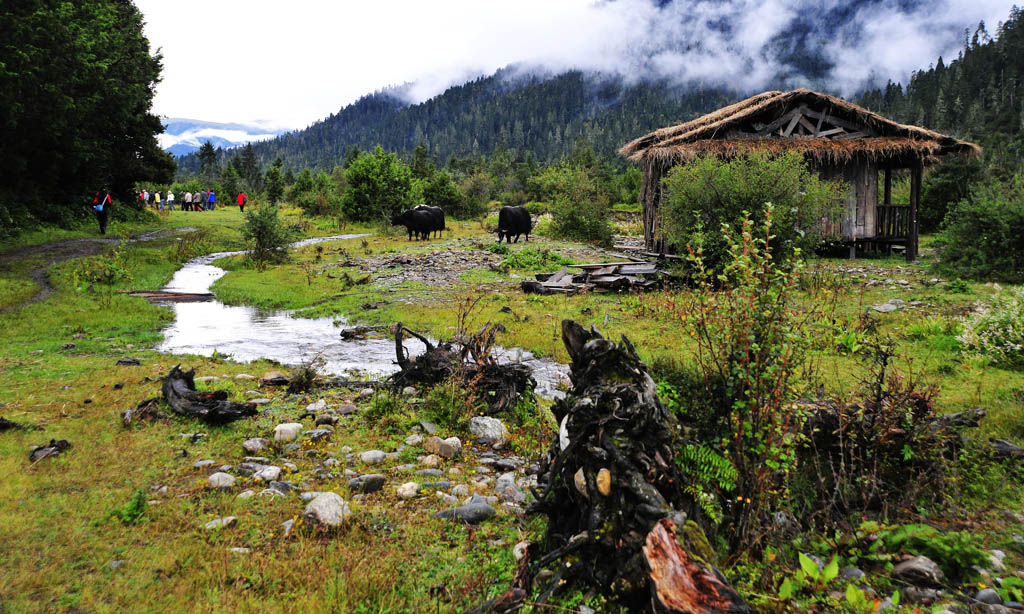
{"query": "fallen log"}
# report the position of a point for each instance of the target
(146, 411)
(180, 392)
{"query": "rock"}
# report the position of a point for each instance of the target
(371, 482)
(488, 429)
(519, 550)
(373, 457)
(285, 488)
(443, 485)
(315, 408)
(290, 466)
(261, 401)
(428, 427)
(221, 481)
(919, 571)
(309, 495)
(511, 494)
(287, 432)
(408, 490)
(505, 480)
(272, 493)
(347, 409)
(408, 391)
(326, 420)
(461, 490)
(221, 523)
(472, 513)
(581, 482)
(274, 378)
(414, 440)
(286, 527)
(202, 464)
(884, 308)
(246, 494)
(269, 473)
(445, 448)
(1014, 605)
(787, 523)
(508, 464)
(365, 393)
(447, 499)
(245, 377)
(431, 460)
(431, 473)
(988, 595)
(115, 564)
(328, 510)
(318, 434)
(128, 362)
(915, 594)
(851, 574)
(239, 550)
(206, 379)
(996, 558)
(604, 482)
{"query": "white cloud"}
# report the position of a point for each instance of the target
(290, 64)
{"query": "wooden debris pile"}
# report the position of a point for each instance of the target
(469, 358)
(605, 277)
(612, 493)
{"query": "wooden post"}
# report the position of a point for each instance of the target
(915, 200)
(887, 199)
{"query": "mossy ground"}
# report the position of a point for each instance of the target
(56, 526)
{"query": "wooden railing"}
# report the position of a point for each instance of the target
(892, 221)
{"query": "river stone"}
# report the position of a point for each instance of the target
(461, 490)
(221, 480)
(261, 401)
(445, 448)
(317, 407)
(290, 466)
(201, 464)
(580, 481)
(447, 499)
(245, 377)
(851, 573)
(328, 510)
(287, 432)
(268, 474)
(128, 361)
(373, 457)
(916, 594)
(274, 378)
(365, 393)
(408, 391)
(309, 495)
(287, 526)
(428, 427)
(408, 490)
(444, 485)
(988, 595)
(472, 513)
(486, 428)
(414, 440)
(318, 434)
(996, 557)
(207, 379)
(919, 571)
(885, 307)
(504, 481)
(347, 409)
(246, 494)
(326, 420)
(371, 482)
(432, 473)
(431, 460)
(221, 523)
(270, 492)
(508, 464)
(284, 488)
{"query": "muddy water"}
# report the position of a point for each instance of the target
(247, 333)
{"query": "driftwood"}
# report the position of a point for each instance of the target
(146, 411)
(469, 359)
(180, 392)
(608, 480)
(168, 296)
(607, 277)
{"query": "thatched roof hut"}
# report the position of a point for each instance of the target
(838, 138)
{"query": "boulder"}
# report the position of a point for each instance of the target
(287, 432)
(371, 482)
(221, 523)
(471, 513)
(221, 481)
(274, 378)
(445, 448)
(408, 490)
(328, 510)
(919, 571)
(488, 429)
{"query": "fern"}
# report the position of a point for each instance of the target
(705, 466)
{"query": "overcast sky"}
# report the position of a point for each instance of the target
(289, 64)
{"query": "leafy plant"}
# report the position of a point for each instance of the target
(955, 552)
(533, 259)
(996, 330)
(578, 205)
(982, 239)
(133, 511)
(267, 235)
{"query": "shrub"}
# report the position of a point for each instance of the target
(984, 235)
(267, 235)
(531, 259)
(578, 207)
(702, 196)
(378, 186)
(996, 330)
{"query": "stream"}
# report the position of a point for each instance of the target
(247, 333)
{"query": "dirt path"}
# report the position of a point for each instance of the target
(59, 251)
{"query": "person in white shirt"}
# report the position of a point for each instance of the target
(170, 200)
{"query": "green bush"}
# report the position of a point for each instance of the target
(379, 185)
(579, 208)
(530, 259)
(996, 330)
(955, 552)
(984, 235)
(702, 196)
(267, 235)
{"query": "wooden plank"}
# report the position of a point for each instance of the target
(597, 265)
(808, 125)
(608, 270)
(781, 121)
(558, 278)
(830, 132)
(835, 121)
(792, 124)
(638, 269)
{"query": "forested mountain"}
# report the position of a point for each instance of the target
(978, 96)
(535, 113)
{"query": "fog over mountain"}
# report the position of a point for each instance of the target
(184, 136)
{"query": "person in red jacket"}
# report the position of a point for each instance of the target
(241, 201)
(101, 204)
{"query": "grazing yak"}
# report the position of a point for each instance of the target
(514, 221)
(415, 221)
(438, 216)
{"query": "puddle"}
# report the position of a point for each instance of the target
(246, 333)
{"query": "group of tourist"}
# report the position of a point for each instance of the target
(204, 200)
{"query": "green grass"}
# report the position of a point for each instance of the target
(58, 528)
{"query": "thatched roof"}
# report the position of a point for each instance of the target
(754, 124)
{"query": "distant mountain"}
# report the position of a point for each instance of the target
(184, 136)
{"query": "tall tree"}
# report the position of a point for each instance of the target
(207, 160)
(378, 186)
(76, 89)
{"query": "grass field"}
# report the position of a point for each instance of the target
(116, 523)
